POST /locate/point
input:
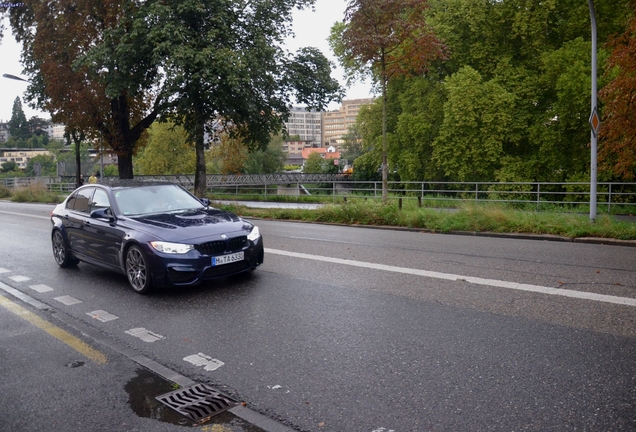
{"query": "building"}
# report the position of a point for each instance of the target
(55, 131)
(335, 124)
(21, 156)
(326, 153)
(306, 125)
(4, 132)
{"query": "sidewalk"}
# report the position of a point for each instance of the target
(54, 377)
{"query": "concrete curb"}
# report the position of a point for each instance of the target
(517, 236)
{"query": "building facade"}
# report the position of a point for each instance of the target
(306, 124)
(335, 124)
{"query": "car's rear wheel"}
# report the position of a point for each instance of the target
(61, 253)
(137, 270)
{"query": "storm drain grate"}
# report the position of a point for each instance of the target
(198, 403)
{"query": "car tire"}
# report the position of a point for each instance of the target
(61, 252)
(137, 270)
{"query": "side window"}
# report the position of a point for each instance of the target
(82, 199)
(71, 202)
(100, 200)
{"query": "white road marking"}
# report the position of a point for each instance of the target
(625, 301)
(19, 278)
(41, 288)
(26, 215)
(4, 270)
(68, 300)
(201, 359)
(102, 316)
(144, 334)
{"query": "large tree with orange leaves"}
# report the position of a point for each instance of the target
(385, 39)
(109, 101)
(617, 147)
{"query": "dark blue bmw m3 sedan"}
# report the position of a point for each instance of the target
(156, 234)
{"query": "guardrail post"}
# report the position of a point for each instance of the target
(476, 191)
(419, 201)
(538, 196)
(609, 200)
(400, 203)
(265, 189)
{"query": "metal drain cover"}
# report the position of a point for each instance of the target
(198, 402)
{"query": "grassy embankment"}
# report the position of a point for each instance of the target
(471, 217)
(497, 218)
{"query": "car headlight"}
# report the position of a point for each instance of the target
(254, 235)
(171, 248)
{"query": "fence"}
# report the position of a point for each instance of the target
(611, 196)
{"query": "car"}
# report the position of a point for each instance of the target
(156, 234)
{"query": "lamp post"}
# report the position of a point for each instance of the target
(595, 121)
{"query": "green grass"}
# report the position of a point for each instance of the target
(35, 192)
(467, 217)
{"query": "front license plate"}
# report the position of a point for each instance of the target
(226, 259)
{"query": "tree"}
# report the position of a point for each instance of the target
(41, 165)
(167, 151)
(386, 39)
(224, 62)
(270, 160)
(90, 68)
(617, 149)
(477, 117)
(314, 163)
(18, 125)
(9, 166)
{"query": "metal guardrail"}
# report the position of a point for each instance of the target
(609, 194)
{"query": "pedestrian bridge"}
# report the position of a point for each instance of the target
(220, 180)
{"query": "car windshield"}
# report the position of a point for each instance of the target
(155, 199)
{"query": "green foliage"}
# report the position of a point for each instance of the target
(167, 151)
(18, 125)
(313, 164)
(4, 192)
(35, 192)
(270, 160)
(477, 118)
(110, 171)
(9, 166)
(41, 165)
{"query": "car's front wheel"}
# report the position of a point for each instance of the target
(61, 253)
(137, 270)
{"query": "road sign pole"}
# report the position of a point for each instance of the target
(594, 118)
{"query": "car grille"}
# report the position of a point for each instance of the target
(225, 269)
(177, 276)
(220, 246)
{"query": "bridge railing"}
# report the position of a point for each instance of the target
(610, 195)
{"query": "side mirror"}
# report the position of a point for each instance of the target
(103, 213)
(205, 201)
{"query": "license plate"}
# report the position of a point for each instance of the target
(226, 259)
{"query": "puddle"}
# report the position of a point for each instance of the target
(143, 389)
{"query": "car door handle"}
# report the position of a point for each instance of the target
(87, 223)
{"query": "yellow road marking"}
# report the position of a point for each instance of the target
(64, 336)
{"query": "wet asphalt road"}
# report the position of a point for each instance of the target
(322, 344)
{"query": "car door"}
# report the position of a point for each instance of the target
(75, 219)
(101, 230)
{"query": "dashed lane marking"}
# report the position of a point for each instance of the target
(144, 334)
(41, 288)
(19, 278)
(102, 315)
(625, 301)
(68, 300)
(62, 335)
(208, 363)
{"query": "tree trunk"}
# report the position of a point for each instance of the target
(125, 166)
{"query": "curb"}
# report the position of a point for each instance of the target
(516, 236)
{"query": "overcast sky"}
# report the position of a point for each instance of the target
(311, 28)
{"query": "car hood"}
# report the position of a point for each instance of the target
(192, 225)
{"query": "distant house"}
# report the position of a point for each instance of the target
(21, 156)
(326, 153)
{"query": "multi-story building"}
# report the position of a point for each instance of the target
(21, 156)
(55, 131)
(4, 132)
(335, 124)
(306, 125)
